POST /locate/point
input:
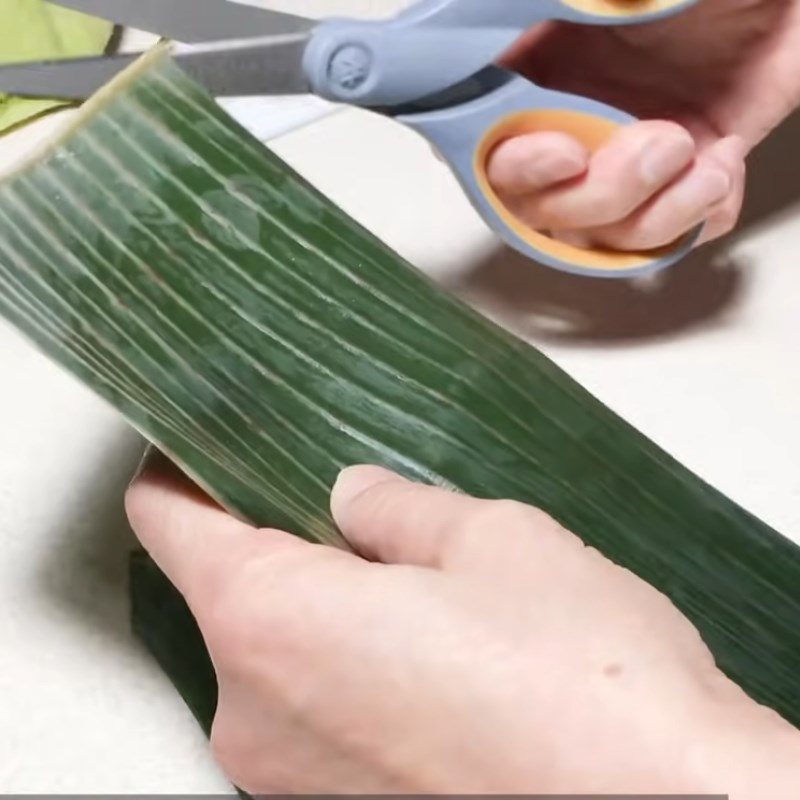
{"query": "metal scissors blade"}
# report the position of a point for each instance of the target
(194, 20)
(270, 65)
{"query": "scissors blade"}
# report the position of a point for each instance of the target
(272, 65)
(194, 20)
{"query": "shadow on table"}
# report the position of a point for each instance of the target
(550, 306)
(86, 572)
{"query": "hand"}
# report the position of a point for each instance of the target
(712, 83)
(472, 647)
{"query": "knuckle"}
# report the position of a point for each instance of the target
(601, 204)
(505, 515)
(672, 129)
(520, 526)
(254, 609)
(236, 608)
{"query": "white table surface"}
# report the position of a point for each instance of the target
(704, 361)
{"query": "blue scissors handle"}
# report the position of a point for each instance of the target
(435, 44)
(424, 55)
(467, 134)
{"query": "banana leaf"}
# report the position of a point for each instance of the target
(263, 339)
(34, 29)
(163, 622)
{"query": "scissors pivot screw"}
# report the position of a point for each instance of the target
(349, 67)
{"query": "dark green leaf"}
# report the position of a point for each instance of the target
(264, 340)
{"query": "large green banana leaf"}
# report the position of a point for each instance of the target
(34, 29)
(264, 340)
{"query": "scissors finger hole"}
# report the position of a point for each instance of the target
(624, 8)
(592, 132)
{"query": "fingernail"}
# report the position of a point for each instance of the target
(150, 453)
(154, 461)
(352, 481)
(663, 159)
(552, 168)
(707, 186)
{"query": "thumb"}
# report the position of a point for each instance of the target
(389, 519)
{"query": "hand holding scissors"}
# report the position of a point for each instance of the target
(432, 68)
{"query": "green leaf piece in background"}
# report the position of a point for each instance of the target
(34, 29)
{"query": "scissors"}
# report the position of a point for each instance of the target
(431, 67)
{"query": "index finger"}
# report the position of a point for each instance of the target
(194, 541)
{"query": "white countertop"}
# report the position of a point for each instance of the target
(705, 362)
